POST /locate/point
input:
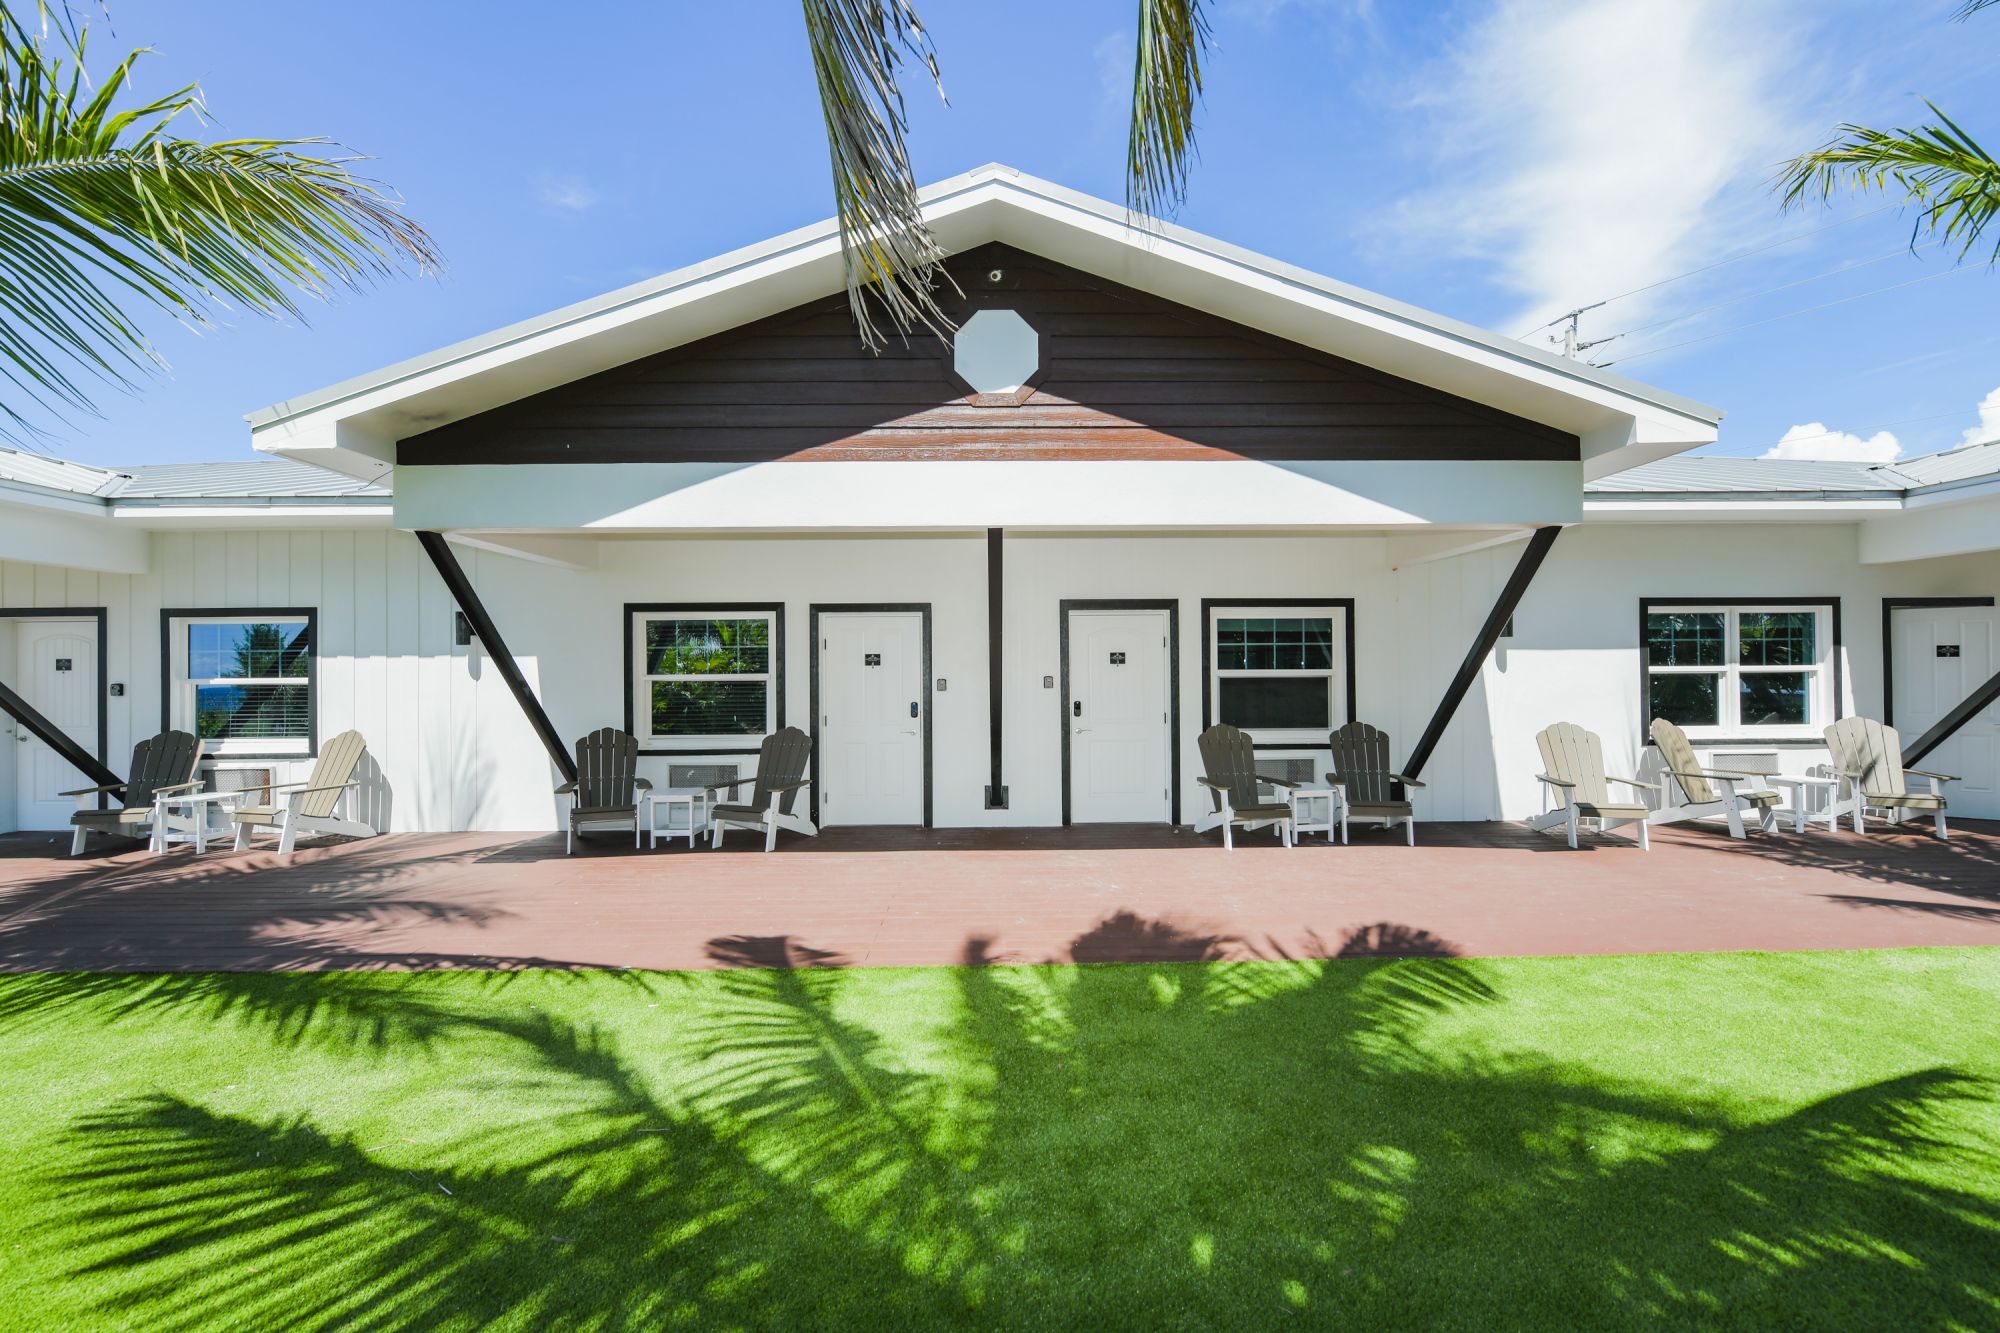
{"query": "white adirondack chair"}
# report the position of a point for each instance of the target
(1868, 759)
(1706, 792)
(1573, 769)
(317, 805)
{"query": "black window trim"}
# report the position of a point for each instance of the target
(776, 610)
(250, 614)
(1838, 673)
(1210, 605)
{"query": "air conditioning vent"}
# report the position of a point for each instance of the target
(700, 775)
(1293, 768)
(1755, 761)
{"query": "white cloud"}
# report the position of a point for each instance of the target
(569, 193)
(1595, 146)
(1814, 441)
(1989, 421)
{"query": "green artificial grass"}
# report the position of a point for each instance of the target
(1795, 1140)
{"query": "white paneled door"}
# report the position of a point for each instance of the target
(1943, 654)
(57, 674)
(1120, 760)
(871, 726)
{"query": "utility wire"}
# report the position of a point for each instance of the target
(1727, 259)
(1880, 425)
(1825, 305)
(1899, 252)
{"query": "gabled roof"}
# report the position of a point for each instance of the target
(353, 426)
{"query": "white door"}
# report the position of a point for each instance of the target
(1942, 655)
(57, 671)
(871, 726)
(1120, 760)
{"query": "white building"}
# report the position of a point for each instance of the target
(1161, 482)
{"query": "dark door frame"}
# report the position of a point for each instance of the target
(1891, 605)
(56, 740)
(1172, 607)
(922, 609)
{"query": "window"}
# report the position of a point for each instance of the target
(242, 681)
(1279, 672)
(705, 677)
(1740, 669)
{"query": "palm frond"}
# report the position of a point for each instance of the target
(1166, 86)
(887, 248)
(104, 211)
(1952, 181)
(1971, 7)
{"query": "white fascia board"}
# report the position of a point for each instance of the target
(1628, 422)
(41, 535)
(1962, 529)
(945, 496)
(251, 513)
(1719, 509)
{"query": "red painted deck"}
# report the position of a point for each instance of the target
(889, 897)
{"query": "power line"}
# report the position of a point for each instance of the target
(1727, 259)
(1880, 425)
(1897, 253)
(1825, 305)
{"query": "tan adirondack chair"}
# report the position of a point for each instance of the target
(782, 762)
(317, 805)
(162, 765)
(1361, 770)
(1708, 791)
(1573, 769)
(1229, 771)
(1868, 760)
(607, 789)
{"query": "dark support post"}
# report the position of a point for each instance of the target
(996, 793)
(1489, 634)
(468, 601)
(49, 734)
(1972, 705)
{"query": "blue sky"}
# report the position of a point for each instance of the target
(1495, 160)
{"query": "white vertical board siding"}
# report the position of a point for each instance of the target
(451, 749)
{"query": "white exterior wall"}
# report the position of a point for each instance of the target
(454, 751)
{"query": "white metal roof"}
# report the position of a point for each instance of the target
(1741, 478)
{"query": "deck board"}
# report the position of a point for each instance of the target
(877, 897)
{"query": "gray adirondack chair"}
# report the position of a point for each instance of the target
(1229, 771)
(608, 789)
(775, 788)
(1573, 769)
(317, 805)
(1706, 792)
(162, 765)
(1868, 760)
(1361, 770)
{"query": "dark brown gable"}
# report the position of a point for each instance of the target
(1124, 375)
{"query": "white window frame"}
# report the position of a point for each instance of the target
(183, 687)
(1335, 673)
(1820, 677)
(642, 682)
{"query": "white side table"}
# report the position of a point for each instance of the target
(197, 804)
(1812, 798)
(678, 812)
(1317, 808)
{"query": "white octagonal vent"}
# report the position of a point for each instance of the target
(996, 351)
